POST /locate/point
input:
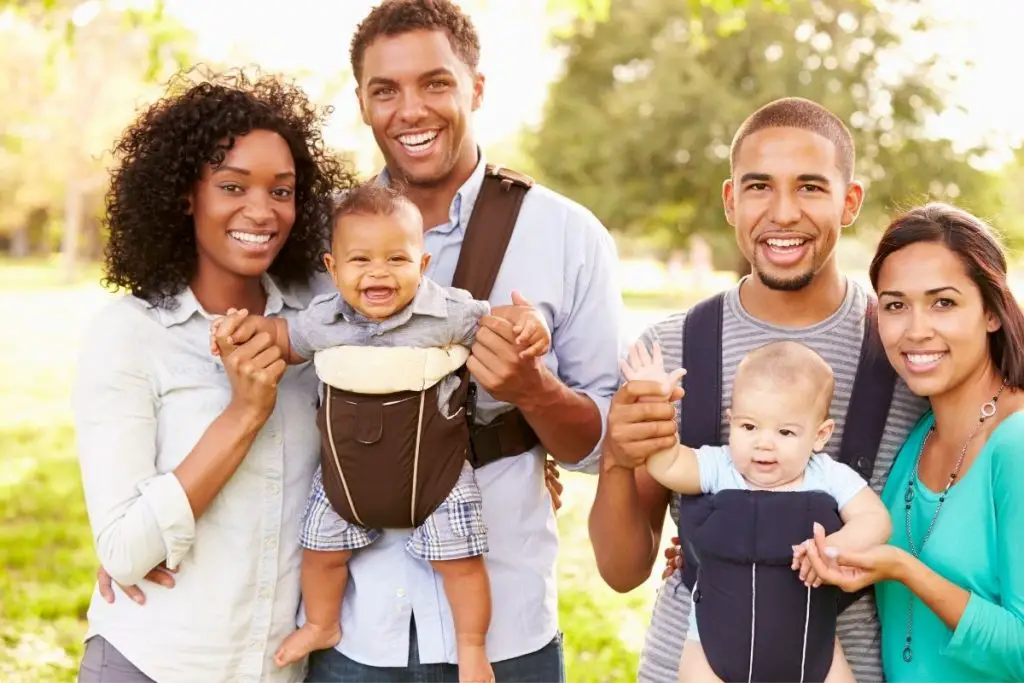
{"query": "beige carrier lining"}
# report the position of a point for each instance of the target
(386, 370)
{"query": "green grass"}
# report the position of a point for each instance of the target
(47, 563)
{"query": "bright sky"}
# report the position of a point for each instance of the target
(313, 36)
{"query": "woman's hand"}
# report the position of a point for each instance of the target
(254, 370)
(852, 571)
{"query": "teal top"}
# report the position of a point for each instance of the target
(978, 544)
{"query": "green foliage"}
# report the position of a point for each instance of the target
(638, 128)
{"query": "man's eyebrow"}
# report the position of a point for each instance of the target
(812, 178)
(755, 177)
(380, 80)
(433, 73)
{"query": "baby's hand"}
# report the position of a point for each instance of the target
(802, 564)
(221, 329)
(532, 335)
(642, 365)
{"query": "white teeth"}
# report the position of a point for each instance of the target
(417, 139)
(250, 237)
(924, 358)
(782, 244)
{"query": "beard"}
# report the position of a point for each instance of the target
(793, 284)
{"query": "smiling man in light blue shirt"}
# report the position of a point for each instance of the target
(416, 66)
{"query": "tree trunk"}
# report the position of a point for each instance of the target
(20, 242)
(72, 229)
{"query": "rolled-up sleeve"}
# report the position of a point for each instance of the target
(588, 342)
(140, 517)
(464, 319)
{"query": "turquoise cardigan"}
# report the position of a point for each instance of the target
(978, 544)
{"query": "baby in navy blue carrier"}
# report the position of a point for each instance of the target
(764, 492)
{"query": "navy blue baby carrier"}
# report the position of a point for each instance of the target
(744, 539)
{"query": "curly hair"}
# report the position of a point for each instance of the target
(151, 250)
(395, 17)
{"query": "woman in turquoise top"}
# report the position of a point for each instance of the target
(950, 585)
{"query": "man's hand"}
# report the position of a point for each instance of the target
(551, 480)
(159, 575)
(639, 429)
(531, 328)
(673, 558)
(497, 364)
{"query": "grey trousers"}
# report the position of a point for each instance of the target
(102, 663)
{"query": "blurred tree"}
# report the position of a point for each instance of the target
(638, 127)
(73, 75)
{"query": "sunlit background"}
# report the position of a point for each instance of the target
(627, 106)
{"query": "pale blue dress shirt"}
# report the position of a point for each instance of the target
(564, 262)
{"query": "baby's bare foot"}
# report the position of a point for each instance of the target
(308, 638)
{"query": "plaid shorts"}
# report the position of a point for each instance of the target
(455, 530)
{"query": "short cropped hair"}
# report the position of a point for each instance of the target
(371, 199)
(790, 364)
(797, 112)
(395, 17)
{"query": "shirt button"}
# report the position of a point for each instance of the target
(276, 436)
(274, 488)
(265, 594)
(400, 593)
(270, 543)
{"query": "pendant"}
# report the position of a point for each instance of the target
(909, 495)
(989, 409)
(908, 654)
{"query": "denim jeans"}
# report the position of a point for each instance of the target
(546, 665)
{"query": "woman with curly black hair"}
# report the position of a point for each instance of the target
(220, 200)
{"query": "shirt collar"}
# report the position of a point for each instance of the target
(464, 200)
(185, 304)
(431, 299)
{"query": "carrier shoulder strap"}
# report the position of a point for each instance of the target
(489, 230)
(700, 413)
(870, 400)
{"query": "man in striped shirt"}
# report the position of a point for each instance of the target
(790, 194)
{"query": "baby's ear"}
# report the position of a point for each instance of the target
(824, 433)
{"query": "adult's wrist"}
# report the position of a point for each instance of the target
(247, 416)
(901, 566)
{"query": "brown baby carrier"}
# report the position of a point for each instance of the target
(390, 459)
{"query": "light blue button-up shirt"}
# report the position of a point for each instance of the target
(563, 261)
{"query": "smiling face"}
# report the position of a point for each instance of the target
(377, 260)
(418, 97)
(787, 201)
(244, 209)
(931, 318)
(774, 428)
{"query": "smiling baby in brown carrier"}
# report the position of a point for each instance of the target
(390, 348)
